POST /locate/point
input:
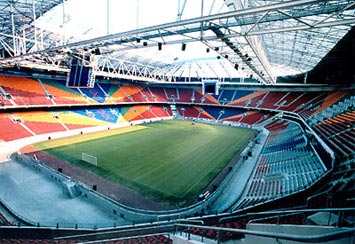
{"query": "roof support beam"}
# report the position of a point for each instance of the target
(227, 23)
(256, 47)
(100, 41)
(302, 27)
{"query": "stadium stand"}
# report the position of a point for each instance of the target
(241, 98)
(291, 101)
(209, 99)
(213, 111)
(41, 122)
(75, 120)
(185, 95)
(159, 111)
(133, 93)
(256, 99)
(338, 131)
(172, 94)
(330, 99)
(119, 95)
(271, 100)
(158, 94)
(188, 111)
(225, 96)
(147, 95)
(63, 95)
(12, 128)
(287, 164)
(253, 117)
(94, 93)
(24, 91)
(296, 101)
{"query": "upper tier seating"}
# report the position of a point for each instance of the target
(339, 133)
(272, 100)
(291, 101)
(253, 117)
(62, 94)
(140, 112)
(158, 94)
(185, 95)
(225, 96)
(94, 93)
(317, 102)
(24, 91)
(172, 94)
(134, 93)
(119, 95)
(147, 94)
(241, 98)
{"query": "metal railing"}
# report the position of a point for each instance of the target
(318, 238)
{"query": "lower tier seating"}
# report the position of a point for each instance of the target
(287, 164)
(19, 125)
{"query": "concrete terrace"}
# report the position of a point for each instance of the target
(38, 199)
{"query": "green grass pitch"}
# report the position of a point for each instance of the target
(171, 161)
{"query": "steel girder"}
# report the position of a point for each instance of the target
(213, 30)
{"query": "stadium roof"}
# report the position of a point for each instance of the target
(170, 41)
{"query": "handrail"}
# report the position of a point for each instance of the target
(156, 229)
(292, 237)
(293, 211)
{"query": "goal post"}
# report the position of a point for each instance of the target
(89, 158)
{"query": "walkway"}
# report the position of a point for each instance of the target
(241, 173)
(38, 199)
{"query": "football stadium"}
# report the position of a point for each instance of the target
(180, 121)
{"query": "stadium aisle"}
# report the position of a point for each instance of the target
(234, 189)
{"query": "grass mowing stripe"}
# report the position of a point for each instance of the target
(170, 161)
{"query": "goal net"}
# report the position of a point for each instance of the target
(89, 158)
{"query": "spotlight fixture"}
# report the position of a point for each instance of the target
(207, 50)
(160, 46)
(97, 51)
(183, 47)
(218, 57)
(138, 40)
(216, 49)
(236, 66)
(145, 44)
(226, 56)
